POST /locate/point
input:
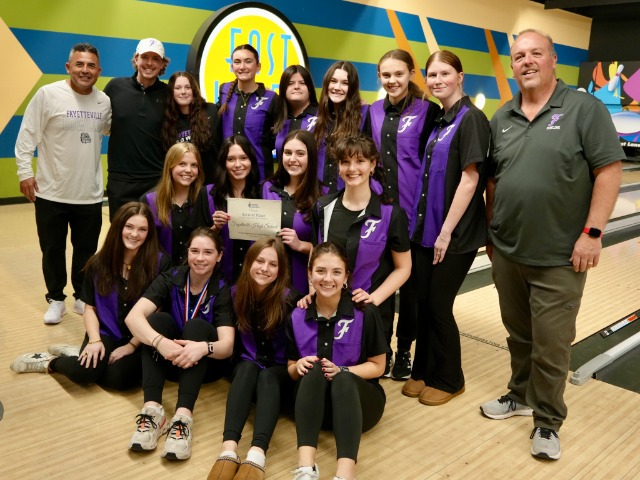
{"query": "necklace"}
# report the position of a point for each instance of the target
(125, 270)
(245, 97)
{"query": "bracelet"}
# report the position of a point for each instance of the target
(95, 341)
(134, 346)
(154, 344)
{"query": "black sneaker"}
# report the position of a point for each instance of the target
(402, 366)
(387, 368)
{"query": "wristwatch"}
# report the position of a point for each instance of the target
(344, 369)
(210, 347)
(592, 232)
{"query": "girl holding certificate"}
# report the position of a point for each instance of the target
(295, 183)
(336, 352)
(237, 177)
(263, 302)
(172, 200)
(185, 341)
(373, 232)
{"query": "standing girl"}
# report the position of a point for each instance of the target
(189, 118)
(296, 185)
(400, 125)
(236, 178)
(450, 227)
(336, 353)
(341, 113)
(262, 302)
(373, 233)
(247, 108)
(184, 341)
(298, 108)
(115, 278)
(174, 197)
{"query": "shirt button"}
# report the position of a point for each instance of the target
(284, 213)
(423, 194)
(180, 227)
(419, 214)
(390, 118)
(325, 344)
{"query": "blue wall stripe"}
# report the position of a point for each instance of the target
(459, 36)
(571, 55)
(336, 14)
(10, 133)
(115, 53)
(412, 27)
(501, 40)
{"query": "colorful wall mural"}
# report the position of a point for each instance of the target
(36, 35)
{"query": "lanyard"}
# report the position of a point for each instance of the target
(187, 294)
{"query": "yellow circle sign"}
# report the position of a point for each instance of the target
(266, 29)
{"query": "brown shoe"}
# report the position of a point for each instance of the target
(434, 397)
(249, 471)
(225, 468)
(412, 388)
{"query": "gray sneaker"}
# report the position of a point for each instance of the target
(545, 443)
(504, 407)
(32, 363)
(152, 424)
(61, 350)
(306, 473)
(178, 443)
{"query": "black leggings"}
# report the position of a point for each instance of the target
(348, 404)
(437, 360)
(155, 369)
(121, 375)
(268, 386)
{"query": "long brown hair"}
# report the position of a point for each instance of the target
(414, 91)
(107, 264)
(283, 111)
(348, 118)
(308, 191)
(224, 189)
(234, 84)
(268, 308)
(201, 134)
(165, 190)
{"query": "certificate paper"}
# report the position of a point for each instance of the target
(253, 219)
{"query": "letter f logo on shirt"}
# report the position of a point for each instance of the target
(260, 101)
(406, 122)
(345, 328)
(372, 224)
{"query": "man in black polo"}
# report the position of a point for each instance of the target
(135, 156)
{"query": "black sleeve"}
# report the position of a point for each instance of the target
(201, 216)
(374, 341)
(473, 138)
(222, 308)
(292, 349)
(315, 224)
(88, 295)
(160, 289)
(398, 236)
(366, 128)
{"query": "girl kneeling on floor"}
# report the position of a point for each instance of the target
(336, 350)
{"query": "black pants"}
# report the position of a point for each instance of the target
(53, 221)
(155, 369)
(438, 358)
(268, 386)
(406, 329)
(348, 404)
(123, 191)
(122, 375)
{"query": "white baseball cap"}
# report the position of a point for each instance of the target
(150, 45)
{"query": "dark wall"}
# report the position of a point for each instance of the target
(615, 33)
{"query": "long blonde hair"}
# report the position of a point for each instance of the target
(165, 190)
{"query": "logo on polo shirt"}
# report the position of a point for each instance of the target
(406, 122)
(269, 31)
(554, 118)
(372, 224)
(312, 123)
(345, 328)
(446, 132)
(260, 101)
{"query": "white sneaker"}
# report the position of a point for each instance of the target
(61, 350)
(78, 306)
(306, 473)
(56, 311)
(178, 443)
(32, 363)
(152, 424)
